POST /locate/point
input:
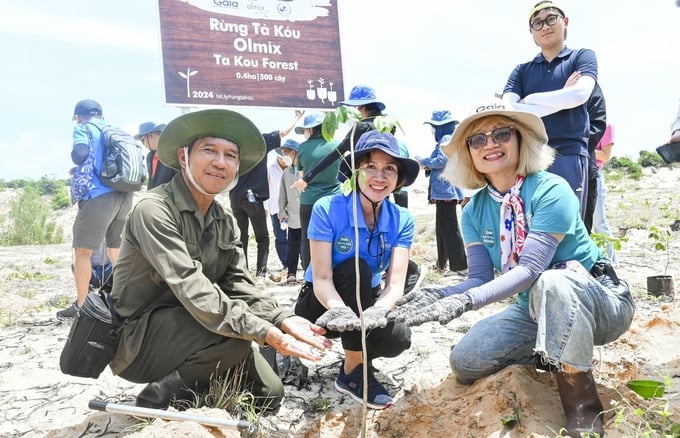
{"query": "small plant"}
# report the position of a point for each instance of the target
(603, 241)
(321, 404)
(229, 392)
(647, 418)
(661, 239)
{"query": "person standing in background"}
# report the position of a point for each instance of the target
(158, 172)
(276, 165)
(248, 196)
(556, 86)
(101, 209)
(600, 225)
(314, 149)
(597, 113)
(289, 208)
(445, 197)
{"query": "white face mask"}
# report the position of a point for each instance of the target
(287, 159)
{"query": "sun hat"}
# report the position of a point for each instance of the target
(310, 121)
(288, 144)
(362, 95)
(145, 128)
(545, 4)
(87, 107)
(494, 107)
(377, 141)
(440, 118)
(158, 128)
(220, 123)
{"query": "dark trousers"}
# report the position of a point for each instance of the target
(293, 250)
(591, 197)
(389, 341)
(305, 217)
(450, 246)
(253, 213)
(575, 169)
(401, 198)
(174, 340)
(280, 239)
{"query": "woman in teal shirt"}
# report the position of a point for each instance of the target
(525, 224)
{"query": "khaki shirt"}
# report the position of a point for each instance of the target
(171, 256)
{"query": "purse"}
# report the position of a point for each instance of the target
(93, 339)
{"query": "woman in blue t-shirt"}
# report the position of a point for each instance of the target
(381, 234)
(525, 224)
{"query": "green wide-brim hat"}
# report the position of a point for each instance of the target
(221, 123)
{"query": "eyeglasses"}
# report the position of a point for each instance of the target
(377, 250)
(550, 20)
(499, 135)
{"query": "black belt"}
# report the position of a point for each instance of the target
(601, 268)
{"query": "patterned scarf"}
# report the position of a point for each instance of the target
(512, 225)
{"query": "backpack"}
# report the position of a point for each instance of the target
(123, 167)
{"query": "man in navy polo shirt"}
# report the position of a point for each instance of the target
(556, 86)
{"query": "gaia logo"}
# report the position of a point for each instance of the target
(343, 245)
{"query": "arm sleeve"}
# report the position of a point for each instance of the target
(79, 153)
(325, 162)
(538, 251)
(564, 98)
(480, 271)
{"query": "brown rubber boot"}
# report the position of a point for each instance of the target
(582, 405)
(160, 393)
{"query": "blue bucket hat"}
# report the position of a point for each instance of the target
(145, 128)
(384, 142)
(310, 121)
(440, 118)
(288, 144)
(362, 95)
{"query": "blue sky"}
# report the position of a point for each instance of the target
(419, 56)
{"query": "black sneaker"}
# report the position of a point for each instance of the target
(352, 385)
(414, 276)
(69, 312)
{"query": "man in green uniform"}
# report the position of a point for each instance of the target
(181, 260)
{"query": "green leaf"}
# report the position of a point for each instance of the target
(329, 126)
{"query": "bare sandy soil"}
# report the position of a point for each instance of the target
(37, 400)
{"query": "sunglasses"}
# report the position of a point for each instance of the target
(499, 135)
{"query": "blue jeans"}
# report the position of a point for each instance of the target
(569, 313)
(600, 224)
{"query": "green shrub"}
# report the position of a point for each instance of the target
(651, 159)
(634, 170)
(27, 222)
(61, 199)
